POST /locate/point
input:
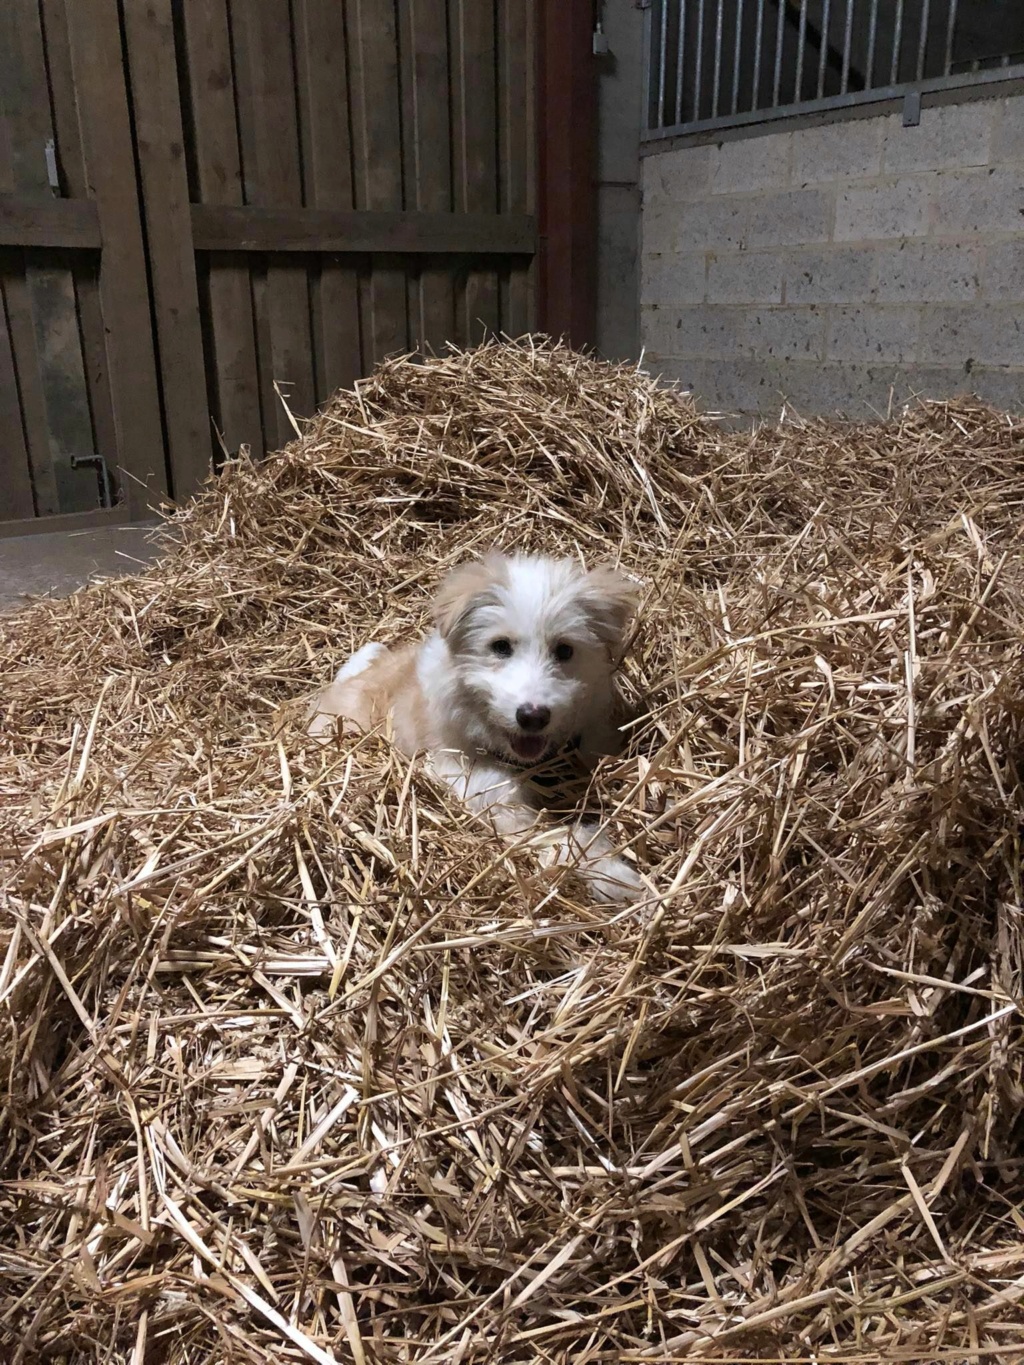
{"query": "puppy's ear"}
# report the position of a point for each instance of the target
(610, 599)
(467, 587)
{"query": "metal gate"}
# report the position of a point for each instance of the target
(204, 201)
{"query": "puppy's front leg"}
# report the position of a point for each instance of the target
(609, 876)
(487, 790)
(494, 792)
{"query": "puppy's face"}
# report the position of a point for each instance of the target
(533, 644)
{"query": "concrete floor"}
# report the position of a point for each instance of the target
(58, 562)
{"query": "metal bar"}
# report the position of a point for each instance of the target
(869, 73)
(922, 43)
(759, 34)
(736, 57)
(844, 82)
(661, 64)
(826, 14)
(779, 29)
(947, 65)
(718, 61)
(698, 59)
(880, 95)
(897, 43)
(647, 44)
(680, 50)
(801, 42)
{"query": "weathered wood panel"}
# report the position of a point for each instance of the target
(298, 188)
(216, 179)
(517, 127)
(16, 498)
(73, 183)
(427, 132)
(49, 222)
(377, 135)
(475, 155)
(304, 230)
(97, 64)
(49, 289)
(323, 93)
(160, 140)
(272, 177)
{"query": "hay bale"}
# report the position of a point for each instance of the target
(300, 1065)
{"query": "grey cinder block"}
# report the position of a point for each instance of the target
(681, 174)
(927, 272)
(745, 277)
(789, 218)
(1008, 133)
(699, 332)
(987, 200)
(951, 136)
(1002, 276)
(831, 274)
(874, 332)
(846, 150)
(675, 277)
(899, 209)
(975, 334)
(751, 163)
(785, 333)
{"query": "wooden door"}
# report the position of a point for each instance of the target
(80, 429)
(213, 213)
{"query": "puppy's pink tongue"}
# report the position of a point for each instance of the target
(529, 746)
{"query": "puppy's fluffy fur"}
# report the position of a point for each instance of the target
(518, 670)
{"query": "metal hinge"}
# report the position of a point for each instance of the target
(98, 463)
(52, 174)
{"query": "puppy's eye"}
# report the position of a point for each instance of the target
(562, 652)
(502, 648)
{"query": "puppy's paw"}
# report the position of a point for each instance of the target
(612, 879)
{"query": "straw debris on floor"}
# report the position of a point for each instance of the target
(301, 1065)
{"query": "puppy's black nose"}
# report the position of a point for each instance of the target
(533, 717)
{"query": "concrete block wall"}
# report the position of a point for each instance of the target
(840, 266)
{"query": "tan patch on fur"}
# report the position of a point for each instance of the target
(611, 599)
(464, 587)
(387, 687)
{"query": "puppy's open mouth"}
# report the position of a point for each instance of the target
(528, 747)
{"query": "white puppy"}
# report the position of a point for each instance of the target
(513, 687)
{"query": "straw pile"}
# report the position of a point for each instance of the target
(301, 1065)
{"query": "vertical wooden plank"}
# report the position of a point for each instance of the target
(377, 144)
(272, 176)
(566, 170)
(50, 291)
(85, 270)
(517, 134)
(231, 352)
(321, 51)
(70, 159)
(475, 147)
(16, 499)
(15, 474)
(160, 145)
(426, 134)
(97, 68)
(22, 332)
